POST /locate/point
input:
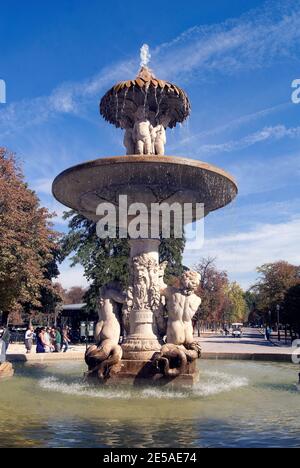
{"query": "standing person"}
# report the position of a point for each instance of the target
(29, 335)
(40, 340)
(47, 339)
(66, 340)
(268, 333)
(57, 343)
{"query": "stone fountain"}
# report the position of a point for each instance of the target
(6, 368)
(157, 345)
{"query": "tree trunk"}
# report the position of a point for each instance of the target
(4, 318)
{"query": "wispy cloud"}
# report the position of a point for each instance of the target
(279, 172)
(68, 98)
(251, 41)
(267, 133)
(241, 253)
(71, 276)
(231, 125)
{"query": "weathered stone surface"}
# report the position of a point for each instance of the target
(6, 370)
(147, 179)
(161, 97)
(144, 372)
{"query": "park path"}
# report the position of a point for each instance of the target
(252, 345)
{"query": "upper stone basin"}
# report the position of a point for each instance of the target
(146, 179)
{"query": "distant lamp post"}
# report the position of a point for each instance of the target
(278, 312)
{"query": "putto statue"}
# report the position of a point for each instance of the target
(159, 138)
(142, 132)
(128, 141)
(182, 304)
(107, 351)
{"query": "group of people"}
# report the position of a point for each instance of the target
(48, 339)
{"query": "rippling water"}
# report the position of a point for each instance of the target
(235, 404)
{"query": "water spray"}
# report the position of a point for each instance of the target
(145, 55)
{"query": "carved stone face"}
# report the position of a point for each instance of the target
(190, 280)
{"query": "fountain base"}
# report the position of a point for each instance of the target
(145, 372)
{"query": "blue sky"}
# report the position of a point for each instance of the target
(236, 60)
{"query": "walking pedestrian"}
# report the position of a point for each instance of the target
(66, 340)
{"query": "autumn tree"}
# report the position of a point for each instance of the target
(212, 291)
(274, 282)
(27, 242)
(74, 295)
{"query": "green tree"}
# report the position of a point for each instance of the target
(291, 308)
(236, 309)
(212, 290)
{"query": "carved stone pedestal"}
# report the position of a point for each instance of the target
(142, 342)
(6, 370)
(145, 372)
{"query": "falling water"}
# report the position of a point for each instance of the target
(156, 101)
(159, 101)
(146, 97)
(117, 106)
(124, 101)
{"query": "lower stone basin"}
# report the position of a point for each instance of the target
(145, 179)
(235, 404)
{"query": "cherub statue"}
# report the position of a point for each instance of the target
(128, 140)
(182, 303)
(107, 351)
(158, 135)
(142, 132)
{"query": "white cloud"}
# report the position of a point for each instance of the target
(267, 133)
(71, 276)
(43, 186)
(235, 123)
(241, 253)
(252, 41)
(262, 176)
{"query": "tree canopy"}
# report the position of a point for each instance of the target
(28, 244)
(222, 301)
(275, 279)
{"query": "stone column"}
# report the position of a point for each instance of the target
(142, 341)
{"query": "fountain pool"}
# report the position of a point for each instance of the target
(235, 404)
